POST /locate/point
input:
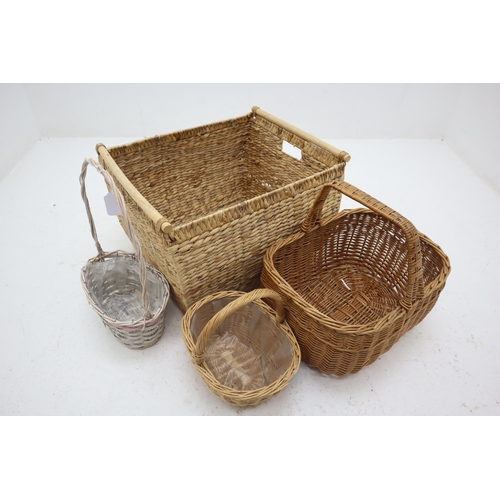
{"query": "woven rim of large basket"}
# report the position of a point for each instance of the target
(209, 378)
(233, 213)
(126, 324)
(359, 329)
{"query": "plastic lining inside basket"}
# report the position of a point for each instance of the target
(115, 286)
(247, 351)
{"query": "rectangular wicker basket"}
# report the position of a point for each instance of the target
(207, 202)
(354, 283)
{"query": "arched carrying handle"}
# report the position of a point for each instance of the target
(232, 307)
(123, 208)
(415, 288)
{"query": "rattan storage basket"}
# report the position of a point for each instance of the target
(354, 283)
(207, 202)
(129, 296)
(243, 349)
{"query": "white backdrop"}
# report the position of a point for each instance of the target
(357, 111)
(466, 116)
(18, 128)
(474, 130)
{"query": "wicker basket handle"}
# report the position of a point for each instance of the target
(415, 288)
(133, 237)
(232, 307)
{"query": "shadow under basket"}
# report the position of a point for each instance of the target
(243, 349)
(354, 283)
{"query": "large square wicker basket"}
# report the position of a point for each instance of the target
(207, 202)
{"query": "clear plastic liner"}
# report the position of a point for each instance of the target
(115, 286)
(248, 350)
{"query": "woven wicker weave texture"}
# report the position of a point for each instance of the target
(260, 335)
(207, 202)
(129, 296)
(355, 283)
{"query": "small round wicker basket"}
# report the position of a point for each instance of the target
(243, 349)
(129, 295)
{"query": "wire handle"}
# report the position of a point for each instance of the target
(415, 289)
(231, 308)
(121, 203)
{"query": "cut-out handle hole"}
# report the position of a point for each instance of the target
(291, 150)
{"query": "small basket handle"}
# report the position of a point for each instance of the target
(133, 237)
(232, 307)
(415, 289)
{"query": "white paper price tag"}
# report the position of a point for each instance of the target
(112, 206)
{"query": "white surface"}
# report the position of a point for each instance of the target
(18, 128)
(57, 358)
(356, 111)
(474, 130)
